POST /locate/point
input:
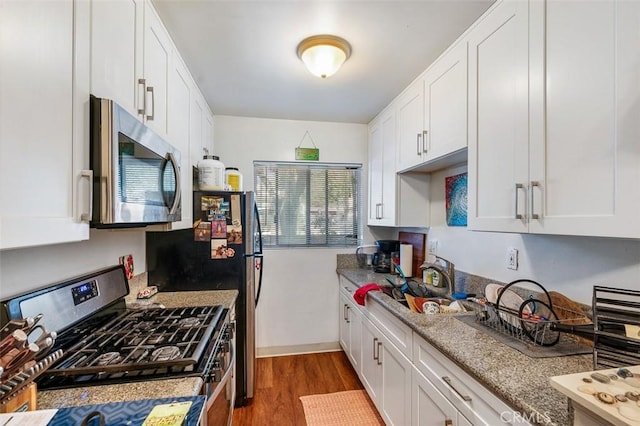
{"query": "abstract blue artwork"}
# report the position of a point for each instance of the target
(456, 199)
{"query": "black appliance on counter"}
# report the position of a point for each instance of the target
(104, 342)
(382, 259)
(223, 251)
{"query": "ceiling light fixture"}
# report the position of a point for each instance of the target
(324, 54)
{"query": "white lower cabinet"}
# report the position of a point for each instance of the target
(410, 381)
(471, 399)
(386, 375)
(350, 327)
(429, 407)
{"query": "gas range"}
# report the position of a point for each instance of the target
(104, 342)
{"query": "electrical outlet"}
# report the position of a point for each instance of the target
(433, 247)
(512, 258)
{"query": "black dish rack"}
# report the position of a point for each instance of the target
(616, 327)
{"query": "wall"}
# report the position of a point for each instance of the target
(31, 268)
(298, 309)
(570, 265)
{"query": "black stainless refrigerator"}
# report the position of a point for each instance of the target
(223, 251)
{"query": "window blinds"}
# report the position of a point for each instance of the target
(308, 204)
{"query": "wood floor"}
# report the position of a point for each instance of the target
(281, 381)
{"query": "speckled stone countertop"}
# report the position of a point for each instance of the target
(520, 381)
(151, 389)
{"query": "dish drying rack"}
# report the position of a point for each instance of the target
(536, 331)
(616, 320)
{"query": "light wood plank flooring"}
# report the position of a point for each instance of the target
(281, 381)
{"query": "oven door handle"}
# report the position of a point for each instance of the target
(228, 375)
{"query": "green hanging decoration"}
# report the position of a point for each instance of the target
(307, 154)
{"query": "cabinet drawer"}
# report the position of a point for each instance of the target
(472, 399)
(396, 331)
(347, 287)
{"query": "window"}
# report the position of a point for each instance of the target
(308, 204)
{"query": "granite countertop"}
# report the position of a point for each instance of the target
(151, 389)
(522, 382)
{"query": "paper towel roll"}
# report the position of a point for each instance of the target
(406, 259)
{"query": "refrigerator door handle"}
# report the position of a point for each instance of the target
(259, 256)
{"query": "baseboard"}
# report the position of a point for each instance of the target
(298, 349)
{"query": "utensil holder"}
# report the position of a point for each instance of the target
(23, 400)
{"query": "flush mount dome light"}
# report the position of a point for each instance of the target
(324, 54)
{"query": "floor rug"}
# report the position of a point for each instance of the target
(346, 408)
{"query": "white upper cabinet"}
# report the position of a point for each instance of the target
(156, 68)
(131, 55)
(498, 119)
(116, 50)
(201, 127)
(409, 109)
(445, 104)
(178, 125)
(432, 115)
(44, 134)
(584, 176)
(554, 101)
(382, 176)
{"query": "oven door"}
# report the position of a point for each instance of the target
(221, 395)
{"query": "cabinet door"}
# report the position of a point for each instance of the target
(371, 365)
(344, 324)
(44, 93)
(410, 127)
(197, 113)
(116, 50)
(157, 62)
(389, 189)
(498, 119)
(428, 406)
(382, 175)
(395, 397)
(355, 337)
(375, 173)
(179, 130)
(445, 104)
(207, 130)
(585, 155)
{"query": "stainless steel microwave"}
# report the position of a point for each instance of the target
(136, 173)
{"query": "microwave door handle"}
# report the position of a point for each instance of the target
(176, 169)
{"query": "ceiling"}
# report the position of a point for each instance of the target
(242, 54)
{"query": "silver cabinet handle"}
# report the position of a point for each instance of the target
(87, 216)
(344, 312)
(447, 380)
(348, 320)
(378, 359)
(534, 184)
(518, 187)
(375, 340)
(153, 103)
(379, 211)
(418, 140)
(348, 289)
(143, 82)
(424, 141)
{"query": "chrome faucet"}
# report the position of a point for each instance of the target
(447, 271)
